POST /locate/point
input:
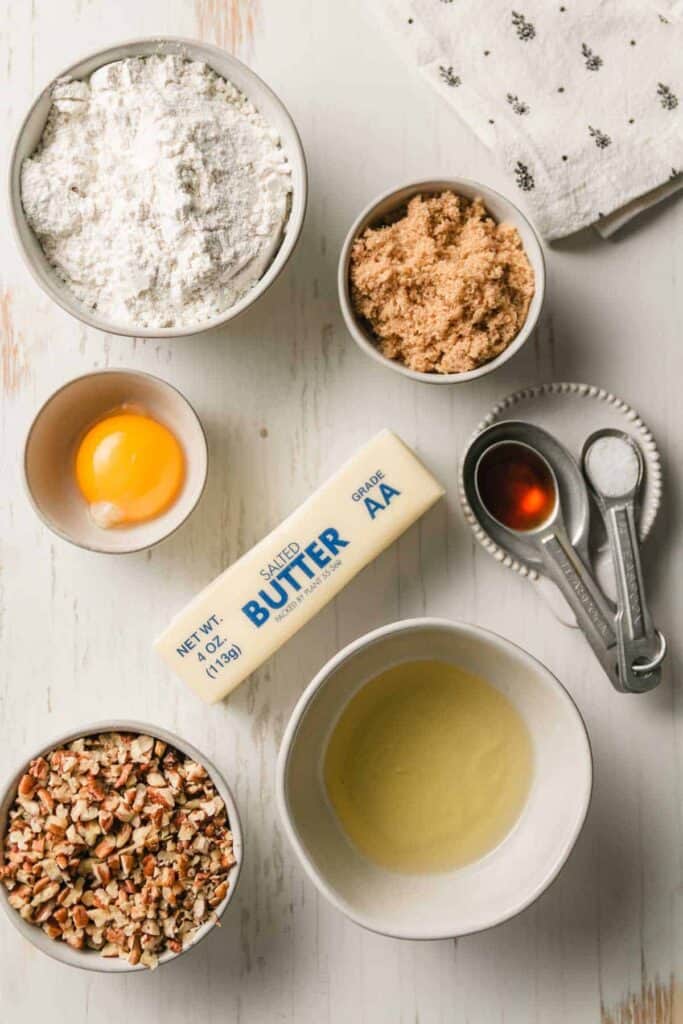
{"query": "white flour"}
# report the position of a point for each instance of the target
(158, 192)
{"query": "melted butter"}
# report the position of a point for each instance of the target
(428, 767)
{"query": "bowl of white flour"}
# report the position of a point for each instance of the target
(157, 188)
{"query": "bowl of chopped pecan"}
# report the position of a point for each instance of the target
(121, 847)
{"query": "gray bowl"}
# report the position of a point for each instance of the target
(90, 959)
(263, 98)
(502, 209)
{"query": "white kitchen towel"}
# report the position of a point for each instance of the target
(582, 100)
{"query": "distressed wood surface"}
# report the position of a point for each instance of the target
(285, 397)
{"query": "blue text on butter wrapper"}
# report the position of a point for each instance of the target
(285, 583)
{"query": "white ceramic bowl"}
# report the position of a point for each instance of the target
(53, 438)
(481, 894)
(89, 959)
(391, 202)
(263, 98)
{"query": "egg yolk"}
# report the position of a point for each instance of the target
(129, 468)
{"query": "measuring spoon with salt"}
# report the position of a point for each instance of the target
(613, 467)
(540, 513)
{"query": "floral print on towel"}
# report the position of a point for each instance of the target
(593, 62)
(666, 97)
(525, 30)
(517, 105)
(601, 140)
(525, 179)
(448, 75)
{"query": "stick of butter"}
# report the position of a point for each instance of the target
(257, 604)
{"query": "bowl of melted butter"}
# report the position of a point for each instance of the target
(433, 779)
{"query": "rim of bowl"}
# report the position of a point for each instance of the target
(351, 321)
(93, 962)
(306, 699)
(291, 229)
(92, 547)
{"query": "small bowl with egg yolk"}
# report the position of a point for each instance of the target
(115, 461)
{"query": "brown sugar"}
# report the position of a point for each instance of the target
(445, 288)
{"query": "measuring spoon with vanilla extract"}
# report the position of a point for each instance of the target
(521, 483)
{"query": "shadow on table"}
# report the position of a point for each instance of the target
(588, 238)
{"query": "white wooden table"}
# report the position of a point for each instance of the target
(285, 397)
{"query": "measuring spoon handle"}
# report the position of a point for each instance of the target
(589, 605)
(638, 642)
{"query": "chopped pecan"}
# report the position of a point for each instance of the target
(105, 847)
(80, 916)
(39, 768)
(26, 785)
(47, 800)
(52, 929)
(117, 843)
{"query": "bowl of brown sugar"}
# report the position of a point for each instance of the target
(442, 281)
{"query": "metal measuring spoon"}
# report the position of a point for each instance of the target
(613, 467)
(558, 546)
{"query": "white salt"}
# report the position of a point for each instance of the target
(612, 465)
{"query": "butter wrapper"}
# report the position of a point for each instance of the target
(257, 604)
